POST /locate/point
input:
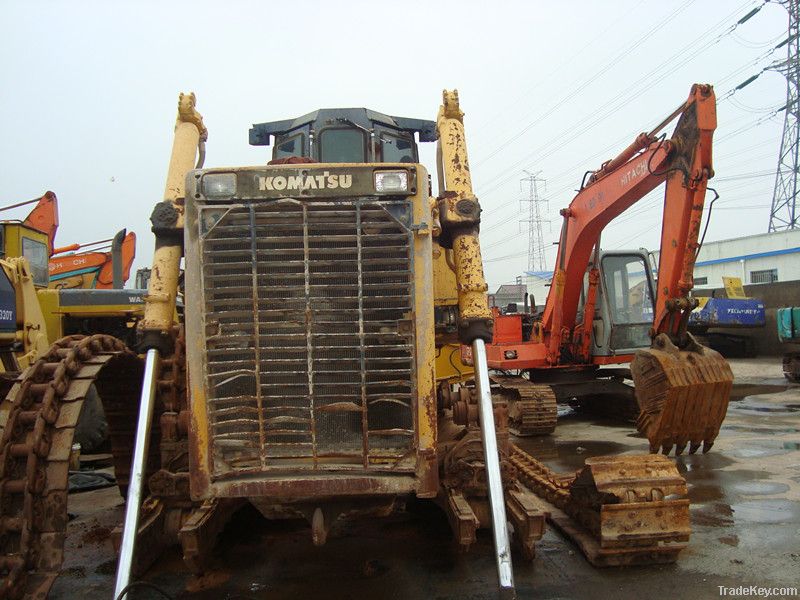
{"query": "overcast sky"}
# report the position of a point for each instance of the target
(88, 95)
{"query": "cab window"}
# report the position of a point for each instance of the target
(628, 290)
(37, 255)
(340, 145)
(397, 149)
(292, 146)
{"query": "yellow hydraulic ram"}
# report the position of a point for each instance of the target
(459, 213)
(156, 326)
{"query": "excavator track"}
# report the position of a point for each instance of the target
(683, 394)
(620, 510)
(37, 423)
(531, 407)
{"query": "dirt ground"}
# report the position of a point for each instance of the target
(745, 513)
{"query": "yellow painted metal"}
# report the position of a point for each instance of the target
(31, 327)
(48, 300)
(163, 287)
(445, 290)
(455, 187)
(13, 236)
(449, 366)
(734, 288)
(422, 315)
(425, 339)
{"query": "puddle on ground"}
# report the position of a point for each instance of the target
(566, 457)
(767, 511)
(717, 514)
(743, 390)
(760, 488)
(763, 430)
(763, 448)
(748, 405)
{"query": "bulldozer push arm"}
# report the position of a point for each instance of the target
(157, 325)
(459, 214)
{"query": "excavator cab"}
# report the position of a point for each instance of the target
(624, 309)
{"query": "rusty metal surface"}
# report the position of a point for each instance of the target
(531, 407)
(310, 360)
(619, 509)
(682, 394)
(38, 419)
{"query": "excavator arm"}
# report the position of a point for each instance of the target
(682, 387)
(684, 162)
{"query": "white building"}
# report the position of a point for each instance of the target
(538, 284)
(762, 258)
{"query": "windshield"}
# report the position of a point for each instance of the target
(292, 146)
(629, 298)
(341, 145)
(397, 149)
(37, 255)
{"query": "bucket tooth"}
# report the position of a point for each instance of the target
(682, 394)
(680, 447)
(707, 446)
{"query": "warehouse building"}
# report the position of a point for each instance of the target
(755, 259)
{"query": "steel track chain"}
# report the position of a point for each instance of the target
(38, 418)
(532, 406)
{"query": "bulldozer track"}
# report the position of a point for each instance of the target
(620, 510)
(37, 423)
(532, 406)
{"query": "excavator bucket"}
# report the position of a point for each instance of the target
(682, 394)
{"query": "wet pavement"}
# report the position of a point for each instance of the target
(745, 513)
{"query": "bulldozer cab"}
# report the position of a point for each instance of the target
(17, 239)
(625, 301)
(345, 135)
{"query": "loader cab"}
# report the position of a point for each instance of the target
(344, 135)
(17, 239)
(625, 303)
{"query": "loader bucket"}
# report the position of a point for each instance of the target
(682, 394)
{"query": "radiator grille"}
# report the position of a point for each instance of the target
(309, 334)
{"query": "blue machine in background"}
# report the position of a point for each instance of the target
(728, 312)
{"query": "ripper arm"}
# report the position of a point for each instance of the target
(167, 219)
(459, 214)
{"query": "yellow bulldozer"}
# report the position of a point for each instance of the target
(326, 294)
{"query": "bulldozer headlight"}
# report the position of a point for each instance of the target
(391, 181)
(219, 185)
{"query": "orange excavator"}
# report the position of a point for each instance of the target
(607, 308)
(104, 264)
(93, 265)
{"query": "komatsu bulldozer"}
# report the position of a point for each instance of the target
(315, 371)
